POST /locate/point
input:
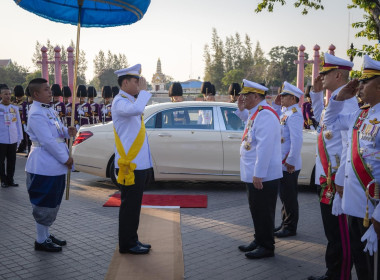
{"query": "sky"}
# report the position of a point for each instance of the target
(177, 31)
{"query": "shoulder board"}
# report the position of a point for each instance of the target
(294, 110)
(365, 106)
(260, 108)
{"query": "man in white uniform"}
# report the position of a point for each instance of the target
(260, 165)
(47, 164)
(132, 155)
(291, 120)
(329, 166)
(10, 135)
(363, 159)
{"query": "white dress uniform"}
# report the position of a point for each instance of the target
(10, 124)
(291, 121)
(126, 114)
(263, 160)
(260, 156)
(354, 197)
(49, 151)
(10, 134)
(337, 145)
(333, 151)
(354, 201)
(135, 168)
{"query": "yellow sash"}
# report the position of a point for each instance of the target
(126, 176)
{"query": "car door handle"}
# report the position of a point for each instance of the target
(164, 135)
(234, 137)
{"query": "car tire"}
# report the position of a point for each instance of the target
(112, 171)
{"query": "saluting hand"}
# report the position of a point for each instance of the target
(69, 163)
(348, 91)
(240, 103)
(72, 131)
(142, 84)
(318, 86)
(277, 101)
(258, 183)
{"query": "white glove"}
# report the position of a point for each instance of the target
(104, 110)
(80, 112)
(337, 205)
(77, 127)
(371, 237)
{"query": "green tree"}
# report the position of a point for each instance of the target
(13, 74)
(247, 61)
(368, 28)
(214, 61)
(228, 58)
(282, 67)
(232, 76)
(105, 66)
(207, 59)
(258, 71)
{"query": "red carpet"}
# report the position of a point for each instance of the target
(184, 201)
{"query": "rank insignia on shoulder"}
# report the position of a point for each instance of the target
(374, 121)
(294, 110)
(365, 106)
(260, 108)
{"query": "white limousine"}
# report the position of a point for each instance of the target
(189, 141)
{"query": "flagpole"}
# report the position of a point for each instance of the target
(80, 4)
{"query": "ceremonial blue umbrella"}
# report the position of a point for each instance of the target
(86, 13)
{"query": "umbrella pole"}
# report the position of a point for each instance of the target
(80, 3)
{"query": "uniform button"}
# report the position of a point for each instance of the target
(346, 176)
(348, 161)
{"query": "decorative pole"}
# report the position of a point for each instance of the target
(70, 67)
(57, 66)
(315, 62)
(80, 4)
(44, 62)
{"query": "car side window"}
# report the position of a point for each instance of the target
(188, 118)
(151, 123)
(231, 121)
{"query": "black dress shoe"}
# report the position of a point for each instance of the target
(284, 233)
(144, 245)
(57, 241)
(246, 248)
(137, 250)
(277, 228)
(13, 184)
(260, 253)
(3, 185)
(323, 277)
(47, 246)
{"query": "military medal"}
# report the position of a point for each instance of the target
(328, 134)
(329, 194)
(247, 146)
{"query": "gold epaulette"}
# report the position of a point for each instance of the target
(294, 110)
(260, 108)
(365, 106)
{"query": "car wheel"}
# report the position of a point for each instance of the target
(112, 171)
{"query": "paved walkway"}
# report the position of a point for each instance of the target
(210, 236)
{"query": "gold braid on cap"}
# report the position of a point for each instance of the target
(251, 89)
(288, 91)
(369, 73)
